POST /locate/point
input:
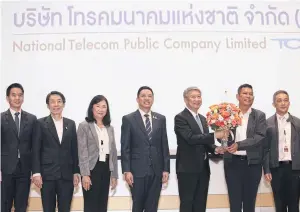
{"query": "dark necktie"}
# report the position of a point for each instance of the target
(17, 122)
(148, 127)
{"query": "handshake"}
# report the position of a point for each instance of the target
(223, 136)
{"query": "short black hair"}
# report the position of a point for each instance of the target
(279, 92)
(244, 86)
(144, 88)
(55, 93)
(14, 85)
(90, 116)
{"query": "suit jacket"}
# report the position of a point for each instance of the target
(254, 143)
(55, 160)
(88, 148)
(137, 152)
(11, 142)
(192, 145)
(271, 148)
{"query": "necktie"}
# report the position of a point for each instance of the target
(17, 122)
(148, 127)
(199, 122)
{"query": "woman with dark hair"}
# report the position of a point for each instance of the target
(97, 155)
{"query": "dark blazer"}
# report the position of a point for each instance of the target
(55, 160)
(271, 150)
(254, 143)
(11, 142)
(137, 152)
(192, 144)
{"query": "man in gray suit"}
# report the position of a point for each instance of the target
(243, 161)
(145, 153)
(282, 158)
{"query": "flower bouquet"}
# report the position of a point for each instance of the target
(224, 116)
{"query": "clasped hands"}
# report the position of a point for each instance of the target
(223, 135)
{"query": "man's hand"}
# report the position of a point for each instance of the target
(38, 182)
(165, 177)
(86, 182)
(232, 148)
(113, 183)
(268, 177)
(129, 178)
(76, 179)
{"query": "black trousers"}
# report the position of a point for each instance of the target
(15, 188)
(242, 182)
(193, 189)
(146, 192)
(95, 199)
(286, 188)
(61, 188)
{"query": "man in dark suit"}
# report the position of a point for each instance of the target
(243, 159)
(282, 158)
(193, 144)
(145, 153)
(55, 156)
(16, 145)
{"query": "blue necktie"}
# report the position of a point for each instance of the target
(148, 127)
(199, 122)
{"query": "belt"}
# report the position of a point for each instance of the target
(241, 157)
(285, 162)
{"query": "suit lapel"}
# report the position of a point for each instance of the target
(94, 133)
(293, 133)
(276, 131)
(193, 120)
(24, 121)
(11, 122)
(110, 136)
(65, 129)
(140, 123)
(52, 129)
(251, 123)
(155, 122)
(204, 124)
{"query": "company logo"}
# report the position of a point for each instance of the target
(288, 43)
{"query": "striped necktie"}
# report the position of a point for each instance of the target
(148, 127)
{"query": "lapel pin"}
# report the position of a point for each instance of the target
(154, 117)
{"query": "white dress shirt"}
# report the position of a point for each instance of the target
(241, 132)
(59, 126)
(144, 118)
(284, 137)
(103, 140)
